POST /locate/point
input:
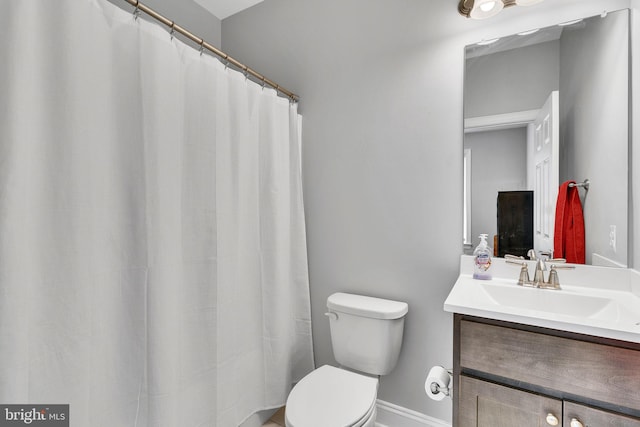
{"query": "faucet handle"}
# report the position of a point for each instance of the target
(554, 282)
(509, 256)
(524, 275)
(560, 260)
(523, 280)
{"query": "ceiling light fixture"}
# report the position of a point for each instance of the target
(486, 8)
(482, 9)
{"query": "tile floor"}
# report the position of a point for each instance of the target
(277, 420)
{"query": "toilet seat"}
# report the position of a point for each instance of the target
(330, 397)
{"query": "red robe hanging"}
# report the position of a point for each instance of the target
(568, 238)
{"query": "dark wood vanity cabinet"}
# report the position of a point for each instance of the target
(508, 374)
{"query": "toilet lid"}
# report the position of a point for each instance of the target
(331, 397)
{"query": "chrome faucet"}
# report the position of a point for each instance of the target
(538, 276)
(541, 266)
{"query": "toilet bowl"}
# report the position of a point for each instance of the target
(366, 336)
(332, 396)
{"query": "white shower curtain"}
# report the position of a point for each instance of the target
(152, 247)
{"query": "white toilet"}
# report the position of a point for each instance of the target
(366, 334)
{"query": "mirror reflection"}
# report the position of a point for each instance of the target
(546, 141)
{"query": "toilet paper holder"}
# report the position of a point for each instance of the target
(435, 389)
(439, 383)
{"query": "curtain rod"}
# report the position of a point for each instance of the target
(205, 45)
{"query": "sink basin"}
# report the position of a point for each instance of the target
(551, 301)
(616, 312)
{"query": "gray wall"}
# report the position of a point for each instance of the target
(513, 80)
(594, 126)
(382, 88)
(498, 163)
(187, 14)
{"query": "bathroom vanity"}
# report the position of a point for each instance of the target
(560, 357)
(537, 357)
(508, 374)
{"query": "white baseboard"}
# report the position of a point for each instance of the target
(390, 415)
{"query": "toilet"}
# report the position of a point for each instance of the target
(366, 335)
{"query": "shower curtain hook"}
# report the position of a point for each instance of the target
(201, 46)
(136, 11)
(245, 71)
(172, 30)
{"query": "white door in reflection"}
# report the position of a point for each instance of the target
(544, 163)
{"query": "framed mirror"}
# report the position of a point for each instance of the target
(543, 108)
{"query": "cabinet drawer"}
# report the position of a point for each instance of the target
(484, 404)
(596, 371)
(591, 417)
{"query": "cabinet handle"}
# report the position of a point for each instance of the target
(576, 423)
(552, 420)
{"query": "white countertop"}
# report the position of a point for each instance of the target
(597, 301)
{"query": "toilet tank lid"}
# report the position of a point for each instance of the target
(360, 305)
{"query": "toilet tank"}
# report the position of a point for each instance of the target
(366, 332)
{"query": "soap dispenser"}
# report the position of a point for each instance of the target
(482, 260)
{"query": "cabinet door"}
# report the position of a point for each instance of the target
(586, 416)
(485, 404)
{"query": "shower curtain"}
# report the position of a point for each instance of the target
(153, 263)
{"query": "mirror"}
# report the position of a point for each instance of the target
(582, 67)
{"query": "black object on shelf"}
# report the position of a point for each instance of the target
(515, 222)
